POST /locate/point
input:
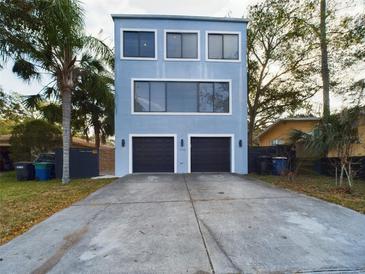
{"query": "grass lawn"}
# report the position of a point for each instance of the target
(26, 203)
(322, 187)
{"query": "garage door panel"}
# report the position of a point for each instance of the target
(210, 154)
(153, 154)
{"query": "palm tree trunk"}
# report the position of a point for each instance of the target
(66, 124)
(324, 65)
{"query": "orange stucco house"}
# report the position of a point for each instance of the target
(279, 134)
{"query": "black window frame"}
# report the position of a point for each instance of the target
(197, 97)
(222, 35)
(181, 33)
(139, 44)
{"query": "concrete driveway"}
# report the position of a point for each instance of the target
(199, 223)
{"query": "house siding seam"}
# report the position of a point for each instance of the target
(182, 125)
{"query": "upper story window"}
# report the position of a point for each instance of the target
(181, 97)
(182, 45)
(139, 44)
(223, 46)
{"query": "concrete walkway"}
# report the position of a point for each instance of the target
(198, 223)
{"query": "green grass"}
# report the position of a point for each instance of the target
(26, 203)
(324, 188)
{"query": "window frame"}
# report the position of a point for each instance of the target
(132, 95)
(166, 31)
(122, 30)
(222, 33)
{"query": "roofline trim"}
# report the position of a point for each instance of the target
(179, 17)
(287, 119)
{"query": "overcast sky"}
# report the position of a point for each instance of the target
(97, 18)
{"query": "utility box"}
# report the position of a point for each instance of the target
(84, 163)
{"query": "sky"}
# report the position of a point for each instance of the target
(98, 22)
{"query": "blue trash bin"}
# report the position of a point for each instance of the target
(43, 171)
(279, 165)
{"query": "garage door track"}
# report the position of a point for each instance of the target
(195, 223)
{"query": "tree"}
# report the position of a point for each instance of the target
(12, 111)
(337, 132)
(93, 99)
(324, 58)
(48, 36)
(340, 38)
(32, 137)
(281, 63)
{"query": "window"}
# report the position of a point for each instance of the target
(139, 44)
(181, 45)
(178, 96)
(277, 142)
(223, 46)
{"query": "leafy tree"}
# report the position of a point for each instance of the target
(48, 36)
(12, 111)
(12, 108)
(32, 137)
(324, 58)
(280, 62)
(340, 40)
(292, 47)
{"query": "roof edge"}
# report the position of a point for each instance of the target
(287, 119)
(179, 17)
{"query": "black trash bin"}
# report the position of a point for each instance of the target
(264, 165)
(24, 171)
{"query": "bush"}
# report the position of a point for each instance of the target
(32, 137)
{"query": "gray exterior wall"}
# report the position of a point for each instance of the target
(127, 123)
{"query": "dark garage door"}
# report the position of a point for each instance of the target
(153, 154)
(210, 154)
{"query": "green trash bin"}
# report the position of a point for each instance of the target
(43, 171)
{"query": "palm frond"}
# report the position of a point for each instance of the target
(33, 101)
(100, 48)
(26, 70)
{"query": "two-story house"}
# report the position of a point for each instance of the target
(181, 94)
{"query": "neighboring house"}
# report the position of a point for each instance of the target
(279, 132)
(181, 94)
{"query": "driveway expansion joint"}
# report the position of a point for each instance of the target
(198, 223)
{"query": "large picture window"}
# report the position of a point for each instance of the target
(182, 45)
(223, 46)
(138, 44)
(179, 96)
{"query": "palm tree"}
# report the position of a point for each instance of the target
(93, 99)
(337, 132)
(47, 37)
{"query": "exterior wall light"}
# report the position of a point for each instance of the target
(240, 143)
(123, 143)
(182, 142)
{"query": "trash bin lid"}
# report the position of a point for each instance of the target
(42, 164)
